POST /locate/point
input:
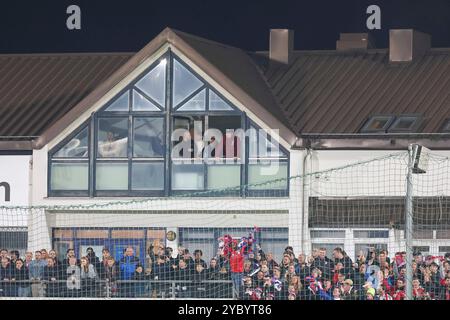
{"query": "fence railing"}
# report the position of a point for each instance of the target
(94, 288)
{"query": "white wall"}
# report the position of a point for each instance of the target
(15, 171)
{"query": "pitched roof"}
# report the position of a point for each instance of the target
(222, 63)
(37, 89)
(320, 92)
(335, 92)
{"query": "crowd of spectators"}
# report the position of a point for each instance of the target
(240, 272)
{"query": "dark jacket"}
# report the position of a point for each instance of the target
(21, 275)
(162, 271)
(325, 265)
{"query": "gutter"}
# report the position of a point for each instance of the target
(372, 142)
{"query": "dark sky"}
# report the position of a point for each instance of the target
(127, 25)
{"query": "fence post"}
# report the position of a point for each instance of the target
(108, 289)
(409, 223)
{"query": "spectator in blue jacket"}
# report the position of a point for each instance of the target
(127, 267)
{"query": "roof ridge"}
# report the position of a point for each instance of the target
(63, 54)
(207, 41)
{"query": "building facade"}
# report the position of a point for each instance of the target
(92, 130)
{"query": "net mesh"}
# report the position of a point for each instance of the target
(339, 234)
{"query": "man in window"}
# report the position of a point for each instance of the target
(112, 147)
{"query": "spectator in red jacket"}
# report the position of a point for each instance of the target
(236, 260)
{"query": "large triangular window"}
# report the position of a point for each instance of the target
(76, 147)
(153, 83)
(216, 103)
(196, 103)
(185, 83)
(122, 103)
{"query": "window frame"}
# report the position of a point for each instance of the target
(167, 114)
(51, 160)
(390, 119)
(418, 118)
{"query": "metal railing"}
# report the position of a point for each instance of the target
(95, 288)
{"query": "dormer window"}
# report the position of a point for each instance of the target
(405, 123)
(446, 127)
(378, 124)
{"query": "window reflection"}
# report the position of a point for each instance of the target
(112, 137)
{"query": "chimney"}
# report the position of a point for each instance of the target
(354, 41)
(406, 45)
(281, 45)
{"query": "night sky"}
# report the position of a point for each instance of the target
(40, 26)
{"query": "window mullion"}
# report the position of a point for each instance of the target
(130, 149)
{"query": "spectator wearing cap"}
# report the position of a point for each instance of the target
(370, 294)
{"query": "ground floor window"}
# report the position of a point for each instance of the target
(14, 239)
(116, 240)
(273, 240)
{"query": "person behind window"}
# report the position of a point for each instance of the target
(112, 147)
